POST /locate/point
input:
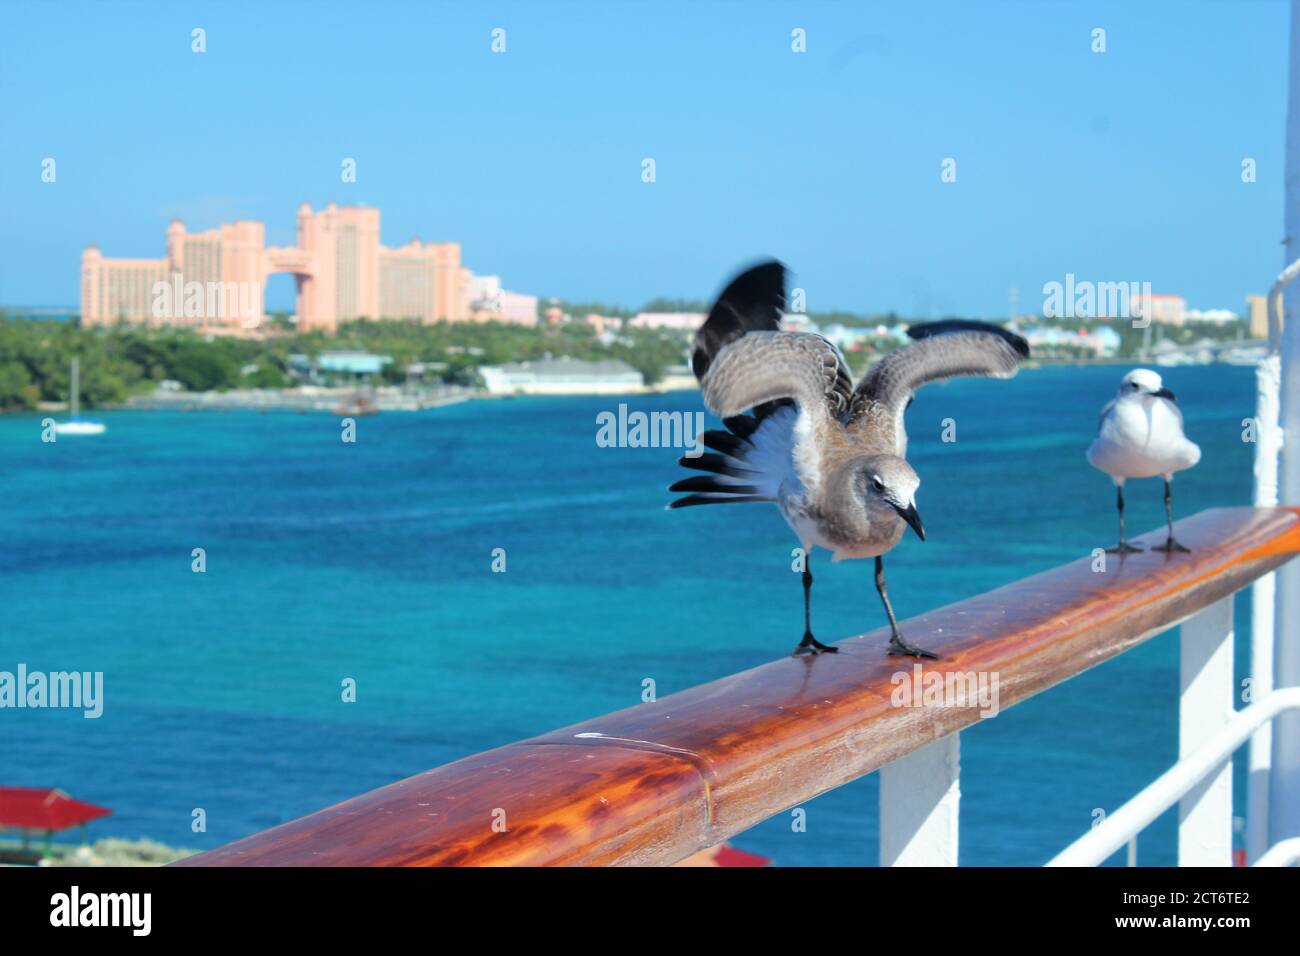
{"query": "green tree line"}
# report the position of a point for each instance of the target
(124, 360)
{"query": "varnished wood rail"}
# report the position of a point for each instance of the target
(654, 783)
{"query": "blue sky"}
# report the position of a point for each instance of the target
(1120, 166)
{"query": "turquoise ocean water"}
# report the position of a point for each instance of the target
(372, 560)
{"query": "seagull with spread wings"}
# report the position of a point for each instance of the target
(800, 436)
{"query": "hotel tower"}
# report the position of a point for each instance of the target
(214, 280)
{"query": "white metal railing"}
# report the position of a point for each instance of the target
(1286, 853)
(920, 793)
(1275, 305)
(1188, 782)
(1269, 437)
(1281, 773)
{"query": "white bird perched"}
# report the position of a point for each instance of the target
(1140, 435)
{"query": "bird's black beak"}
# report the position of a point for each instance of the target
(912, 518)
(1165, 393)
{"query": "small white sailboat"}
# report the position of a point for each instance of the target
(76, 425)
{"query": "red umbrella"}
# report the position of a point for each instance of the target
(724, 855)
(728, 855)
(34, 808)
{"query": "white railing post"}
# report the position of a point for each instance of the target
(1206, 704)
(1284, 770)
(1268, 449)
(920, 795)
(1268, 455)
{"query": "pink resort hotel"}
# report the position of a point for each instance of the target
(214, 280)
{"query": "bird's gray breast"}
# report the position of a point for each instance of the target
(803, 517)
(847, 533)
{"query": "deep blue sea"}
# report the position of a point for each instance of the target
(372, 560)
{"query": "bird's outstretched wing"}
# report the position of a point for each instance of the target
(771, 362)
(763, 367)
(942, 350)
(795, 384)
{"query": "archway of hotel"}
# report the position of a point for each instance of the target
(280, 291)
(297, 263)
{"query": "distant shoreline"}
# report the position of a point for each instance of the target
(107, 851)
(343, 400)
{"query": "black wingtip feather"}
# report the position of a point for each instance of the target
(725, 442)
(927, 329)
(692, 500)
(710, 484)
(752, 301)
(742, 425)
(718, 464)
(710, 489)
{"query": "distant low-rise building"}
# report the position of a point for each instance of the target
(1257, 309)
(1222, 316)
(491, 303)
(340, 364)
(798, 322)
(518, 308)
(1102, 341)
(681, 321)
(603, 324)
(562, 376)
(483, 289)
(852, 338)
(1169, 309)
(843, 337)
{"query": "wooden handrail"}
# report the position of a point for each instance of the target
(654, 783)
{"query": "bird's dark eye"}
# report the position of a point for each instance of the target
(877, 484)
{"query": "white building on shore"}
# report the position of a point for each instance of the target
(681, 321)
(1221, 316)
(562, 376)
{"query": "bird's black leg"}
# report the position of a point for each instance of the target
(1171, 544)
(896, 643)
(810, 644)
(1123, 547)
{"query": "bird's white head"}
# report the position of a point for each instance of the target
(1143, 383)
(885, 485)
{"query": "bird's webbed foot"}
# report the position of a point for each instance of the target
(810, 645)
(901, 648)
(1125, 548)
